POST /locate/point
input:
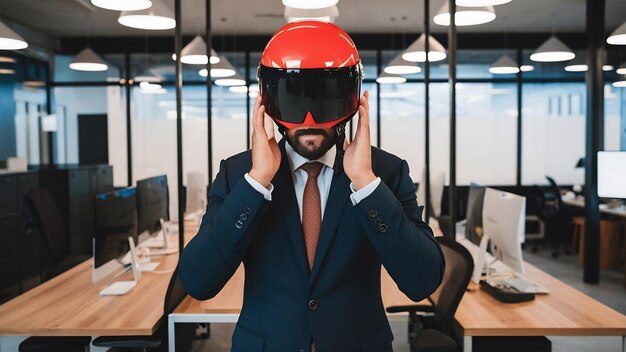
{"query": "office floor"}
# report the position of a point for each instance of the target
(610, 292)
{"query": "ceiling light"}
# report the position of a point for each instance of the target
(309, 4)
(6, 71)
(387, 78)
(238, 89)
(552, 50)
(122, 5)
(527, 68)
(416, 51)
(620, 84)
(148, 76)
(400, 66)
(577, 65)
(622, 69)
(607, 68)
(194, 53)
(153, 91)
(504, 66)
(148, 85)
(235, 80)
(157, 17)
(88, 60)
(326, 14)
(618, 37)
(476, 3)
(7, 59)
(465, 16)
(221, 69)
(9, 40)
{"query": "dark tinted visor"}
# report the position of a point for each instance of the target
(328, 93)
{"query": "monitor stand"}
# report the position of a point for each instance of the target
(165, 245)
(122, 287)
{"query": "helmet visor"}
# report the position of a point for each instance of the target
(330, 94)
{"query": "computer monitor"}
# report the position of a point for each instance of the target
(437, 180)
(474, 218)
(611, 175)
(152, 205)
(503, 224)
(116, 221)
(196, 194)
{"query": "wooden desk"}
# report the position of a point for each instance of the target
(70, 304)
(563, 312)
(604, 209)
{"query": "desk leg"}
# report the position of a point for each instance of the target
(623, 343)
(467, 343)
(171, 332)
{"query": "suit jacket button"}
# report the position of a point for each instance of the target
(247, 211)
(243, 217)
(378, 221)
(238, 224)
(313, 304)
(373, 214)
(382, 228)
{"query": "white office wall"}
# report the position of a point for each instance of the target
(116, 125)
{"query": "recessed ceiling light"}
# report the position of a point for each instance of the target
(309, 4)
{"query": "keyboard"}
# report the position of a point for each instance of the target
(118, 288)
(523, 285)
(505, 293)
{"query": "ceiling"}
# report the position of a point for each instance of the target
(77, 18)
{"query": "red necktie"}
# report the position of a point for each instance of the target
(311, 209)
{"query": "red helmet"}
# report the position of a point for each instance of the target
(310, 74)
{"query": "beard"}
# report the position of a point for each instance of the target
(309, 149)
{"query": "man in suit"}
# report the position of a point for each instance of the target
(312, 217)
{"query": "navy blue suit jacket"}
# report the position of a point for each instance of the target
(338, 303)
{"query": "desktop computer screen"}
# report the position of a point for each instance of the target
(474, 219)
(503, 223)
(152, 204)
(196, 192)
(116, 221)
(611, 174)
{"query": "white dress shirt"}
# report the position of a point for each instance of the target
(324, 179)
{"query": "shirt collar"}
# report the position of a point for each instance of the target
(296, 160)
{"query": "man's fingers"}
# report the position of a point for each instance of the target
(268, 125)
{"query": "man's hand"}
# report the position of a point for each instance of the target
(265, 151)
(357, 159)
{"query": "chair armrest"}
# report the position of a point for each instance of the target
(414, 308)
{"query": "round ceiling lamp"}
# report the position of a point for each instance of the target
(527, 68)
(235, 80)
(577, 65)
(621, 70)
(618, 37)
(504, 66)
(157, 17)
(88, 60)
(400, 66)
(465, 16)
(148, 76)
(326, 14)
(7, 71)
(310, 4)
(122, 5)
(222, 69)
(621, 83)
(552, 50)
(416, 52)
(194, 53)
(387, 78)
(9, 40)
(476, 3)
(607, 68)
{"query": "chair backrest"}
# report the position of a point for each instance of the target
(47, 215)
(554, 187)
(175, 293)
(459, 268)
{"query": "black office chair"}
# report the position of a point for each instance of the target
(47, 215)
(556, 218)
(445, 226)
(159, 340)
(432, 330)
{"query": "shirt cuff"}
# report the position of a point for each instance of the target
(364, 192)
(266, 192)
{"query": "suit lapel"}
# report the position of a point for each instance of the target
(338, 197)
(285, 196)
